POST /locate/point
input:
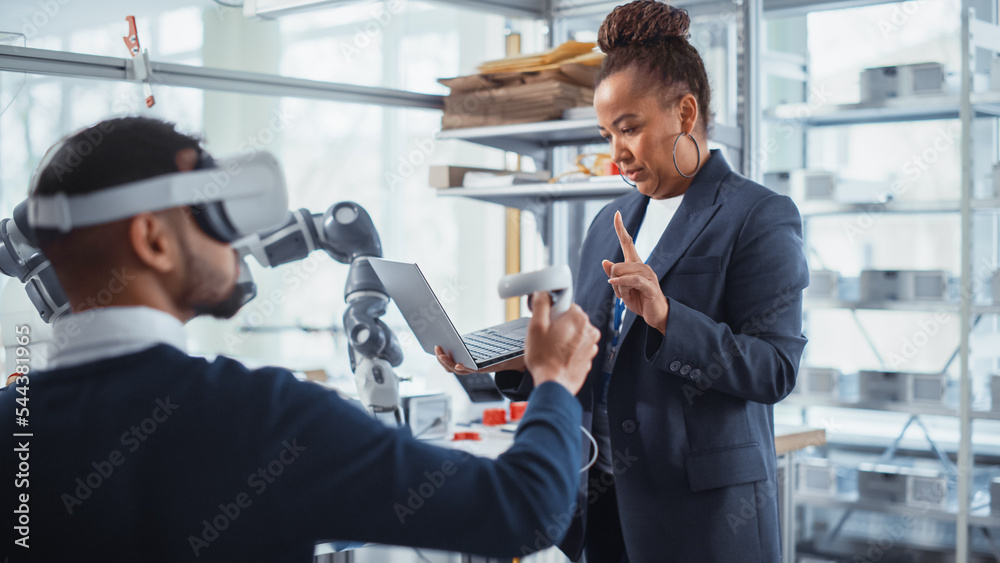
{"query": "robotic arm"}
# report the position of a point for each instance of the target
(345, 231)
(20, 258)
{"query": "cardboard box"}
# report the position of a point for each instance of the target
(926, 388)
(803, 185)
(816, 477)
(902, 485)
(903, 285)
(884, 83)
(818, 381)
(881, 386)
(929, 491)
(812, 185)
(896, 387)
(779, 182)
(823, 284)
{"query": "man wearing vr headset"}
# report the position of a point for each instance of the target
(140, 452)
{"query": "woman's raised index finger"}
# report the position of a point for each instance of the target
(628, 248)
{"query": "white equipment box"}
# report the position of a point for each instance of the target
(883, 83)
(903, 285)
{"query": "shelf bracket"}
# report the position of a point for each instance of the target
(890, 452)
(994, 548)
(868, 338)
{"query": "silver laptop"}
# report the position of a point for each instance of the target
(431, 325)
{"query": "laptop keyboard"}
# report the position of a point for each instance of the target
(490, 344)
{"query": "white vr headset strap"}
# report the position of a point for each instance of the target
(253, 177)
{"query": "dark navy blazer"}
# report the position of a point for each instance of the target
(690, 411)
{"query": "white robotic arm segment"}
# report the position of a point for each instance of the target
(20, 258)
(345, 232)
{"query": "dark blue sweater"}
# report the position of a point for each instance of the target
(159, 456)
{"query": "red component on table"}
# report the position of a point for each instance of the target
(466, 436)
(494, 417)
(517, 409)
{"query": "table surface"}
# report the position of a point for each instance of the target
(792, 438)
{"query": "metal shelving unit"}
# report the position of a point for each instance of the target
(912, 306)
(537, 197)
(827, 208)
(885, 406)
(913, 108)
(977, 36)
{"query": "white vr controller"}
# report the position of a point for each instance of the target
(557, 280)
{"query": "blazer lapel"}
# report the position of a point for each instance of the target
(696, 210)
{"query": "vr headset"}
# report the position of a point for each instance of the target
(230, 199)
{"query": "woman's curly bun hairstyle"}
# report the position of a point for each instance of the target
(652, 37)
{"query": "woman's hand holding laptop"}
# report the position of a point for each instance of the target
(560, 350)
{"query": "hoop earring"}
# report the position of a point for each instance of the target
(624, 178)
(696, 147)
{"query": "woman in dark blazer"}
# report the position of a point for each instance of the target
(701, 324)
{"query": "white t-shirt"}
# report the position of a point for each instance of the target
(659, 212)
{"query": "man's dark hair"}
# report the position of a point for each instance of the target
(110, 153)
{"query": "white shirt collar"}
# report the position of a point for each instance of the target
(98, 334)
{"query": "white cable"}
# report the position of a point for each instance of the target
(592, 441)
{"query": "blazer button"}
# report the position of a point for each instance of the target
(695, 373)
(685, 370)
(675, 365)
(628, 426)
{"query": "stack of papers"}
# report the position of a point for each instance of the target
(568, 52)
